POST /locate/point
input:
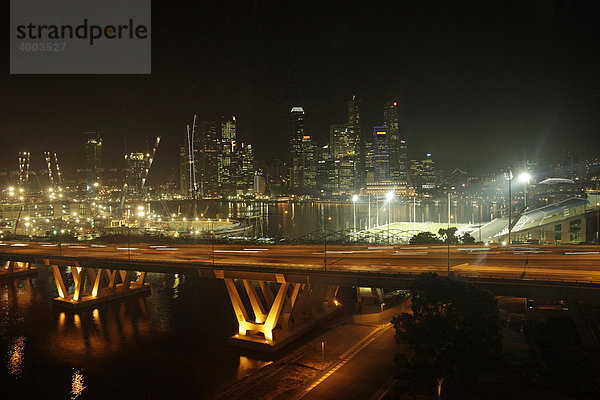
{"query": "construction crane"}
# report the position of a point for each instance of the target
(49, 164)
(191, 160)
(150, 160)
(58, 177)
(23, 167)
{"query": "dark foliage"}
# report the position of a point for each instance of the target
(453, 330)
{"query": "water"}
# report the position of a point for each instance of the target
(298, 219)
(169, 344)
(173, 342)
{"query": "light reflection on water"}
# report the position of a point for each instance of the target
(77, 384)
(150, 340)
(16, 357)
(298, 219)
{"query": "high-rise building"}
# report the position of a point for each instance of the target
(136, 173)
(423, 175)
(381, 154)
(309, 165)
(342, 141)
(570, 165)
(184, 176)
(398, 153)
(360, 143)
(207, 157)
(245, 169)
(296, 149)
(260, 183)
(227, 158)
(93, 163)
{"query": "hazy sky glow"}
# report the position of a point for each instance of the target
(478, 82)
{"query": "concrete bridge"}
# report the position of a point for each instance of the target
(279, 292)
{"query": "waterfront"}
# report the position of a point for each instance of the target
(297, 219)
(169, 344)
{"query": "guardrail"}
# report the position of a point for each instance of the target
(330, 271)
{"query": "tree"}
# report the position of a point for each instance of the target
(424, 238)
(453, 330)
(449, 235)
(467, 238)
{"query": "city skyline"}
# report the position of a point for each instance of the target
(528, 90)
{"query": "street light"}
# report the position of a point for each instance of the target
(524, 178)
(354, 200)
(508, 175)
(389, 197)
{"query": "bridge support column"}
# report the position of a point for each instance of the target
(13, 269)
(267, 323)
(93, 285)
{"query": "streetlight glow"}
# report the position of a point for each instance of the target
(355, 198)
(525, 177)
(389, 196)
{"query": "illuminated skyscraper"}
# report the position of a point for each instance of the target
(227, 157)
(244, 178)
(398, 153)
(360, 143)
(296, 157)
(207, 157)
(309, 165)
(136, 173)
(93, 163)
(381, 154)
(184, 176)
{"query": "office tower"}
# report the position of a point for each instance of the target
(381, 154)
(354, 112)
(260, 183)
(244, 175)
(309, 165)
(342, 140)
(207, 157)
(398, 153)
(136, 172)
(423, 175)
(360, 143)
(277, 174)
(93, 163)
(227, 158)
(343, 151)
(184, 177)
(296, 157)
(570, 165)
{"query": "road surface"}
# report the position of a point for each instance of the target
(556, 263)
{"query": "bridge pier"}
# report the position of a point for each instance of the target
(277, 311)
(13, 269)
(94, 285)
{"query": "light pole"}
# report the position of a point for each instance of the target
(354, 200)
(212, 241)
(508, 175)
(524, 178)
(389, 197)
(369, 212)
(325, 243)
(448, 234)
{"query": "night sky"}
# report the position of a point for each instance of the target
(478, 82)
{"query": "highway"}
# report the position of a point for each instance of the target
(555, 263)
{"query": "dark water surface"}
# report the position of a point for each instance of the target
(296, 219)
(169, 344)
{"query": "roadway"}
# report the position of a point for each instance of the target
(554, 263)
(362, 373)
